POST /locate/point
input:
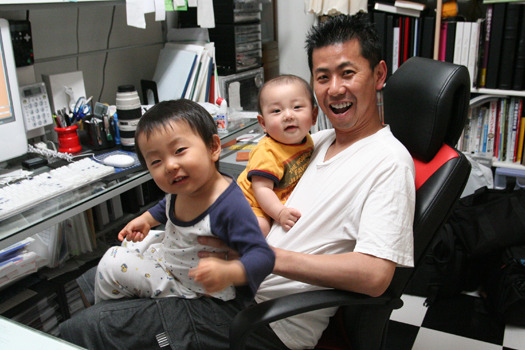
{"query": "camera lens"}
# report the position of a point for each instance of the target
(128, 112)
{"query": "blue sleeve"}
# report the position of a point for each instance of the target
(235, 223)
(159, 211)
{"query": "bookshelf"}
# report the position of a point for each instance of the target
(498, 33)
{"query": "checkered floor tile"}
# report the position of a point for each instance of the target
(461, 322)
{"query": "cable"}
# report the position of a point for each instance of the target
(106, 56)
(77, 36)
(41, 149)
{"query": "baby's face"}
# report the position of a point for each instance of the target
(287, 112)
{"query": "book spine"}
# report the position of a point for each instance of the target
(389, 40)
(508, 46)
(473, 52)
(493, 110)
(486, 42)
(427, 36)
(443, 41)
(458, 42)
(519, 133)
(511, 131)
(496, 35)
(450, 42)
(518, 82)
(395, 48)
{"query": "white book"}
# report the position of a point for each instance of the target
(465, 46)
(458, 42)
(410, 5)
(395, 50)
(397, 10)
(473, 51)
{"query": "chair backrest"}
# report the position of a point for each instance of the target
(426, 104)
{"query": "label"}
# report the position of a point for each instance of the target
(222, 123)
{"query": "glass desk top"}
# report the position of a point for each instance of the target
(59, 208)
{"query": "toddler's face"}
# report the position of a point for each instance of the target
(287, 112)
(178, 159)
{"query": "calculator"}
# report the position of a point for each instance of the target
(35, 106)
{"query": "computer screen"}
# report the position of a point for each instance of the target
(13, 140)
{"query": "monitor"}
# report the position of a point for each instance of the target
(13, 139)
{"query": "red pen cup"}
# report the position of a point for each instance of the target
(68, 141)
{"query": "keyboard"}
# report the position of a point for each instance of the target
(24, 194)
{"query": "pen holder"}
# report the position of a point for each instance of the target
(99, 136)
(68, 141)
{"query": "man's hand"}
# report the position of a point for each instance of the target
(288, 217)
(223, 251)
(216, 274)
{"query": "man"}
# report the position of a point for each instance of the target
(356, 198)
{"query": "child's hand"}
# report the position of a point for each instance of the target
(288, 217)
(136, 230)
(216, 274)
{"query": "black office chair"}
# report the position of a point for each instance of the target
(425, 104)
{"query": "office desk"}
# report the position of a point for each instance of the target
(14, 336)
(57, 209)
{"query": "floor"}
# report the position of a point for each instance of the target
(461, 322)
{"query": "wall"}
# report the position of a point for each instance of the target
(133, 52)
(292, 25)
(62, 46)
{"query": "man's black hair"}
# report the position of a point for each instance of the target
(342, 28)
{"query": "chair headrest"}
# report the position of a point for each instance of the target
(426, 104)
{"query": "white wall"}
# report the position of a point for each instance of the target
(292, 25)
(132, 53)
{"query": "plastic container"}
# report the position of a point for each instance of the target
(222, 116)
(68, 141)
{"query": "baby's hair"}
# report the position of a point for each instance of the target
(163, 114)
(286, 79)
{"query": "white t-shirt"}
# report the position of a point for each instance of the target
(360, 200)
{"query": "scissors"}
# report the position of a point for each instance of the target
(82, 108)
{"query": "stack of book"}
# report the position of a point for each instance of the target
(186, 70)
(493, 48)
(503, 63)
(495, 128)
(459, 44)
(401, 7)
(403, 36)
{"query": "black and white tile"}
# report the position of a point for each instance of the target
(460, 322)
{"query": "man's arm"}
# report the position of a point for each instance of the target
(353, 271)
(356, 272)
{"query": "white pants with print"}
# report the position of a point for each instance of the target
(133, 270)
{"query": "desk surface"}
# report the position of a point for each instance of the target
(57, 209)
(14, 335)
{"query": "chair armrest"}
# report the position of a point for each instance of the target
(293, 304)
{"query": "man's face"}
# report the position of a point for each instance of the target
(345, 85)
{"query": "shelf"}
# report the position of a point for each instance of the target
(508, 165)
(15, 5)
(42, 2)
(499, 92)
